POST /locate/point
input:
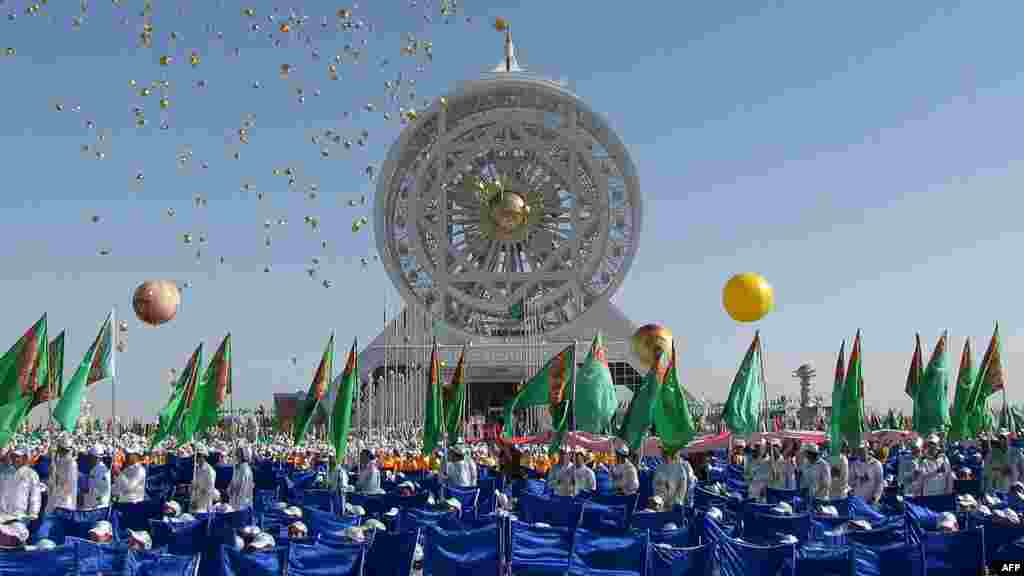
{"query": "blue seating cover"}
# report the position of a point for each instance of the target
(825, 561)
(655, 520)
(181, 538)
(325, 560)
(679, 538)
(671, 561)
(155, 564)
(594, 553)
(322, 499)
(467, 497)
(392, 554)
(998, 535)
(536, 550)
(878, 537)
(629, 502)
(62, 523)
(920, 516)
(136, 516)
(774, 496)
(60, 561)
(941, 503)
(461, 553)
(99, 559)
(415, 519)
(320, 522)
(224, 473)
(268, 563)
(603, 517)
(952, 554)
(769, 526)
(738, 558)
(704, 498)
(861, 510)
(553, 510)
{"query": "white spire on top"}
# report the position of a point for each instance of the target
(509, 64)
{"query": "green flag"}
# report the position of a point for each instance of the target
(341, 416)
(181, 426)
(672, 418)
(516, 311)
(433, 417)
(551, 386)
(97, 365)
(56, 368)
(960, 422)
(836, 418)
(172, 416)
(211, 390)
(455, 401)
(852, 421)
(991, 379)
(640, 414)
(23, 369)
(742, 413)
(595, 391)
(891, 423)
(317, 390)
(915, 375)
(11, 416)
(932, 401)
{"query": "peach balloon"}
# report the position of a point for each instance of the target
(156, 301)
(648, 341)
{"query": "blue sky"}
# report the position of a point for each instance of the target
(864, 157)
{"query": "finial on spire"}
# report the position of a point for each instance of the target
(509, 64)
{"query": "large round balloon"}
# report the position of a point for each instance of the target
(748, 297)
(648, 341)
(156, 301)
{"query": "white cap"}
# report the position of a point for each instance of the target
(142, 537)
(454, 503)
(293, 512)
(97, 450)
(102, 527)
(298, 527)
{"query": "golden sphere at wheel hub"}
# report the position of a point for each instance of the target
(510, 212)
(748, 297)
(650, 340)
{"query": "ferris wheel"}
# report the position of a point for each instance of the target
(508, 198)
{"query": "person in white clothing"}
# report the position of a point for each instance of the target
(584, 479)
(240, 490)
(22, 491)
(841, 461)
(338, 479)
(459, 472)
(760, 474)
(555, 472)
(910, 469)
(867, 476)
(130, 486)
(624, 474)
(204, 491)
(62, 485)
(816, 478)
(935, 470)
(97, 494)
(369, 475)
(672, 481)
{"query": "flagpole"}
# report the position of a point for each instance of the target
(764, 387)
(113, 368)
(572, 412)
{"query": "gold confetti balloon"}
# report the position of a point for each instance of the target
(500, 24)
(156, 301)
(748, 297)
(648, 341)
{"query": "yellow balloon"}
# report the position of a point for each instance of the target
(748, 297)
